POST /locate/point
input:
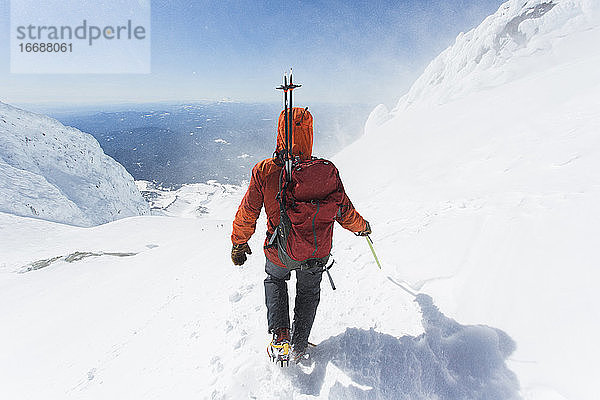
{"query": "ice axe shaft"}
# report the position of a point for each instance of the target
(373, 250)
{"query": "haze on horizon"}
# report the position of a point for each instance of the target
(366, 52)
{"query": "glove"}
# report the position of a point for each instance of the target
(238, 253)
(366, 232)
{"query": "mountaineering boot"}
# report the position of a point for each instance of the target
(279, 348)
(299, 355)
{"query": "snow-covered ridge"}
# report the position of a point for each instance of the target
(499, 49)
(483, 183)
(58, 173)
(194, 200)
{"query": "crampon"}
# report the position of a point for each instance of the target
(279, 353)
(279, 348)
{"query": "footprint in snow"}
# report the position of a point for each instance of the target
(91, 374)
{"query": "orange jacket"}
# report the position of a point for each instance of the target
(264, 186)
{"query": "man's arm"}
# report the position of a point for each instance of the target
(349, 218)
(244, 223)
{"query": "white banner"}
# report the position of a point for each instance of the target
(78, 36)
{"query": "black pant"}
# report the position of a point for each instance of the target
(308, 294)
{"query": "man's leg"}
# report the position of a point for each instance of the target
(276, 296)
(308, 294)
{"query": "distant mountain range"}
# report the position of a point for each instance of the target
(174, 144)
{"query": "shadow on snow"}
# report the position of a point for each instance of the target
(448, 361)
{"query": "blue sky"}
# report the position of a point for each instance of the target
(342, 51)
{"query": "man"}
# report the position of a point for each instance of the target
(263, 189)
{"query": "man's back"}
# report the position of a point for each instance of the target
(265, 182)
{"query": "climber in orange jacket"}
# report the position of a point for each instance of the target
(262, 190)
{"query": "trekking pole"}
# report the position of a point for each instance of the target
(287, 153)
(370, 242)
(291, 88)
(288, 119)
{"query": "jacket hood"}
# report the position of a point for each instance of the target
(302, 138)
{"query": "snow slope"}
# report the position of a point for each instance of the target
(57, 173)
(484, 183)
(517, 40)
(151, 307)
(483, 197)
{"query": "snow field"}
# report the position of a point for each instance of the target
(482, 190)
